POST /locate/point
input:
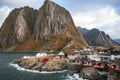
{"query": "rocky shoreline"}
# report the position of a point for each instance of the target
(53, 62)
(92, 73)
(47, 63)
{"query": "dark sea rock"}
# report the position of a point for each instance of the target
(112, 75)
(73, 68)
(90, 73)
(28, 63)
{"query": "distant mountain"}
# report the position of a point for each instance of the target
(96, 37)
(49, 28)
(117, 40)
(83, 30)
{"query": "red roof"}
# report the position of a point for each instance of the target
(78, 61)
(98, 65)
(114, 66)
(61, 56)
(72, 54)
(45, 60)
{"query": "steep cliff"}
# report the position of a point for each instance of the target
(17, 27)
(52, 23)
(50, 27)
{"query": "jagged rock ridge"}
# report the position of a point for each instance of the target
(83, 30)
(50, 27)
(96, 37)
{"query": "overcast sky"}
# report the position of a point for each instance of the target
(101, 14)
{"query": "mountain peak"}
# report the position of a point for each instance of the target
(47, 0)
(50, 27)
(95, 30)
(53, 19)
(83, 30)
(95, 37)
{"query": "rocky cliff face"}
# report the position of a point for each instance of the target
(50, 27)
(96, 37)
(52, 20)
(17, 27)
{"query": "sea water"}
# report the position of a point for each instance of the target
(9, 71)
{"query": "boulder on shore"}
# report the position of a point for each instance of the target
(90, 73)
(55, 65)
(29, 63)
(74, 68)
(47, 63)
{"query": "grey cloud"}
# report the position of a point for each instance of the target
(20, 3)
